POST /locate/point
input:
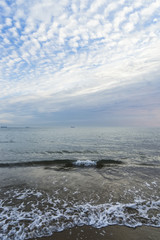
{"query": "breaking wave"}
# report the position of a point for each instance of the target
(47, 214)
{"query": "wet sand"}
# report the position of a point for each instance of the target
(107, 233)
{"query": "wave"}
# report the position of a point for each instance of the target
(70, 152)
(85, 163)
(150, 164)
(11, 141)
(31, 220)
(64, 163)
(60, 152)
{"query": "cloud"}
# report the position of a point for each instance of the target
(57, 53)
(8, 21)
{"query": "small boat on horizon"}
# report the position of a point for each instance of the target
(3, 126)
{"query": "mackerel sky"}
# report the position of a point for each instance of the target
(80, 62)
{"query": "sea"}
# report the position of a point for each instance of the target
(57, 178)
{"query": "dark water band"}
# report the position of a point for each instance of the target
(64, 163)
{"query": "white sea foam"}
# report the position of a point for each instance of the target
(86, 163)
(44, 214)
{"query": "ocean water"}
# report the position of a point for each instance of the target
(52, 179)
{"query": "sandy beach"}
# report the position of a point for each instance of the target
(107, 233)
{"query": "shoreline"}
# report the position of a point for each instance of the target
(115, 232)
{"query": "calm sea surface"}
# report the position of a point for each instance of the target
(57, 178)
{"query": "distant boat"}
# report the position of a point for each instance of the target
(72, 126)
(3, 126)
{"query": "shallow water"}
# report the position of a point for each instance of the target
(53, 179)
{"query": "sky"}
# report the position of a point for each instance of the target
(80, 62)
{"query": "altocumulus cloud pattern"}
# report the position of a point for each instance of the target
(80, 61)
